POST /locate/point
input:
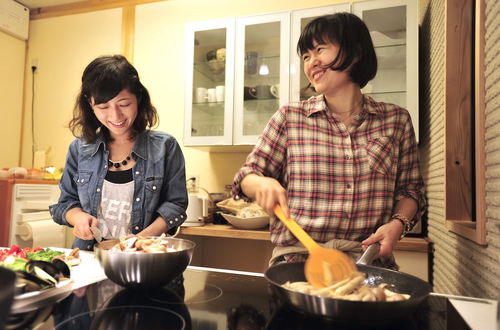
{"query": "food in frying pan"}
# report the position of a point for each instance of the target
(143, 244)
(241, 209)
(351, 288)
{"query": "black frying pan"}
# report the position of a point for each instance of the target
(346, 310)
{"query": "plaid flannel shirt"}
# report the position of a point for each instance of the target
(342, 182)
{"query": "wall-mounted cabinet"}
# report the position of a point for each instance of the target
(237, 77)
(393, 25)
(209, 123)
(240, 70)
(261, 80)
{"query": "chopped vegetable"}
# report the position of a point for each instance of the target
(45, 255)
(14, 263)
(15, 257)
(16, 251)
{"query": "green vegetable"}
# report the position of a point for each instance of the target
(14, 263)
(46, 255)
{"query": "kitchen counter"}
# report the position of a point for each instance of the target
(224, 246)
(414, 244)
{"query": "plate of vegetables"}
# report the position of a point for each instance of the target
(43, 276)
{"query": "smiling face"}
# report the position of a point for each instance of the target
(118, 114)
(316, 62)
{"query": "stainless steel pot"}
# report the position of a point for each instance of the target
(145, 270)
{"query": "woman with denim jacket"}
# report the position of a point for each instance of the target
(343, 165)
(120, 176)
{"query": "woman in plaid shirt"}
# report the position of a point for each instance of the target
(344, 166)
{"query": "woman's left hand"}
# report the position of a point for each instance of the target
(387, 235)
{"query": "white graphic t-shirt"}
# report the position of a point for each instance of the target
(114, 212)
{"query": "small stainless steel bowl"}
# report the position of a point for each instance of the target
(144, 270)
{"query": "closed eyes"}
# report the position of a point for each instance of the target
(104, 107)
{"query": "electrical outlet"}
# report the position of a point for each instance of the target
(34, 65)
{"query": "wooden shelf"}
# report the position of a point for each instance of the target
(415, 244)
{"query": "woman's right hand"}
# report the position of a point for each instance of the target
(81, 222)
(267, 193)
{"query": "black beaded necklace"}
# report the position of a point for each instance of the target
(112, 163)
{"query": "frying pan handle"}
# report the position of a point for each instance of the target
(369, 254)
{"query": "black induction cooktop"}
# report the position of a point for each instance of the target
(211, 299)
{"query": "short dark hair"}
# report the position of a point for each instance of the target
(102, 80)
(354, 40)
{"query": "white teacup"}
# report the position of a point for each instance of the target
(219, 93)
(212, 96)
(275, 90)
(201, 95)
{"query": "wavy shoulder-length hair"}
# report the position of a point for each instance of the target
(103, 79)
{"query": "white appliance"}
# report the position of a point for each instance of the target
(197, 211)
(31, 224)
(14, 19)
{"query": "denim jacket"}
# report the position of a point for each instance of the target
(159, 182)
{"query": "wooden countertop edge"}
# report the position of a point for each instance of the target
(412, 244)
(226, 231)
(29, 180)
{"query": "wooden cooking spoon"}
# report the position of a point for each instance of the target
(324, 266)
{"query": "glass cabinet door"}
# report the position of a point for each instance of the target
(394, 30)
(300, 87)
(209, 89)
(261, 81)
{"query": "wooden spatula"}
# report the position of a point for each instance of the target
(324, 266)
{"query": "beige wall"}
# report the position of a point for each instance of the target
(460, 266)
(61, 47)
(12, 57)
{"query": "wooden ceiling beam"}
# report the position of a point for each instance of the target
(83, 7)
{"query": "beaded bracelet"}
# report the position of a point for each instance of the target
(404, 221)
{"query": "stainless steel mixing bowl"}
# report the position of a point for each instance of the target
(144, 270)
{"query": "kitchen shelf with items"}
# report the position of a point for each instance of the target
(246, 82)
(212, 70)
(209, 89)
(390, 83)
(208, 118)
(393, 27)
(261, 67)
(262, 71)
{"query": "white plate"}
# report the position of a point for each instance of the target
(247, 223)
